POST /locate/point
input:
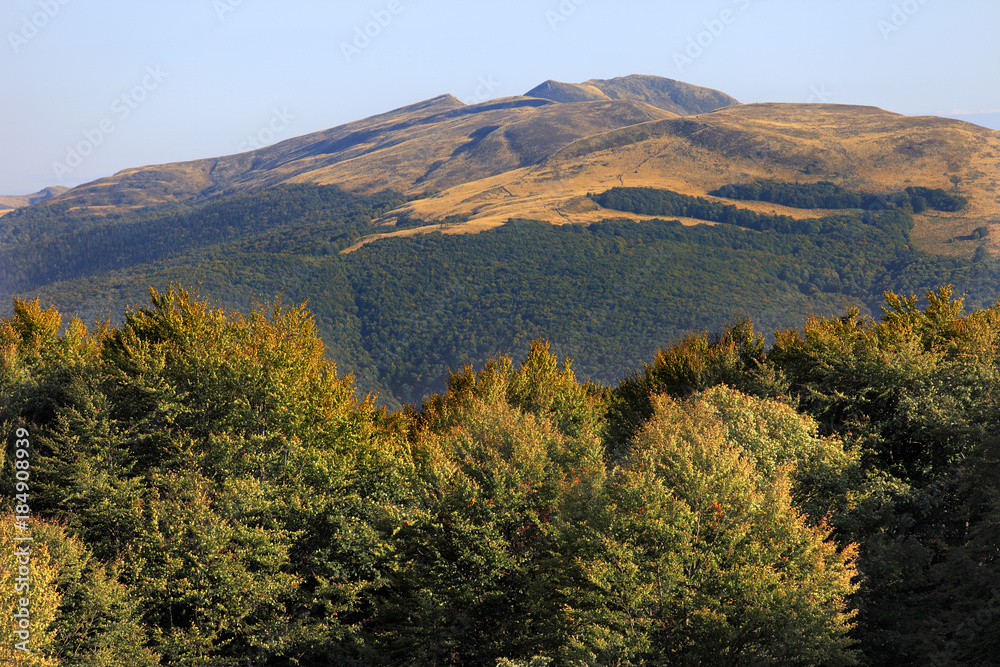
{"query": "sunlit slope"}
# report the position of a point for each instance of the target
(477, 143)
(427, 146)
(861, 148)
(674, 96)
(538, 155)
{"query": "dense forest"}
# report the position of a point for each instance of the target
(401, 314)
(825, 194)
(883, 214)
(204, 488)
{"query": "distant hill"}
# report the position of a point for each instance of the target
(16, 201)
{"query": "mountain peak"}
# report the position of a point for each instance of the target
(558, 91)
(15, 201)
(674, 96)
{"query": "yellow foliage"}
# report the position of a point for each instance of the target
(41, 593)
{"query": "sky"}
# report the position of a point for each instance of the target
(91, 87)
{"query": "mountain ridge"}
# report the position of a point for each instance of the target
(8, 202)
(537, 155)
(667, 94)
(209, 177)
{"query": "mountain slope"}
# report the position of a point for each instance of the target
(861, 148)
(405, 148)
(537, 156)
(16, 201)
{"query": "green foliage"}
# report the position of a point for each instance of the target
(825, 194)
(735, 357)
(693, 556)
(227, 501)
(914, 395)
(184, 449)
(827, 483)
(400, 314)
(480, 570)
(910, 388)
(894, 222)
(654, 201)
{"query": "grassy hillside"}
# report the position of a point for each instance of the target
(16, 201)
(860, 148)
(673, 96)
(538, 156)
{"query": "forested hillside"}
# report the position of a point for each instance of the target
(204, 488)
(400, 313)
(825, 194)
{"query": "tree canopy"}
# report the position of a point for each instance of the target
(207, 489)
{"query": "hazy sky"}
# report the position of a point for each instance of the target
(94, 86)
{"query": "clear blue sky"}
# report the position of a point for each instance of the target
(135, 82)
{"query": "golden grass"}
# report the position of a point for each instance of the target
(526, 158)
(861, 148)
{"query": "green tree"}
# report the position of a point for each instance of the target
(736, 357)
(481, 568)
(693, 556)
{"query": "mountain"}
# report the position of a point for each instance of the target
(429, 146)
(674, 96)
(538, 155)
(16, 201)
(420, 238)
(424, 147)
